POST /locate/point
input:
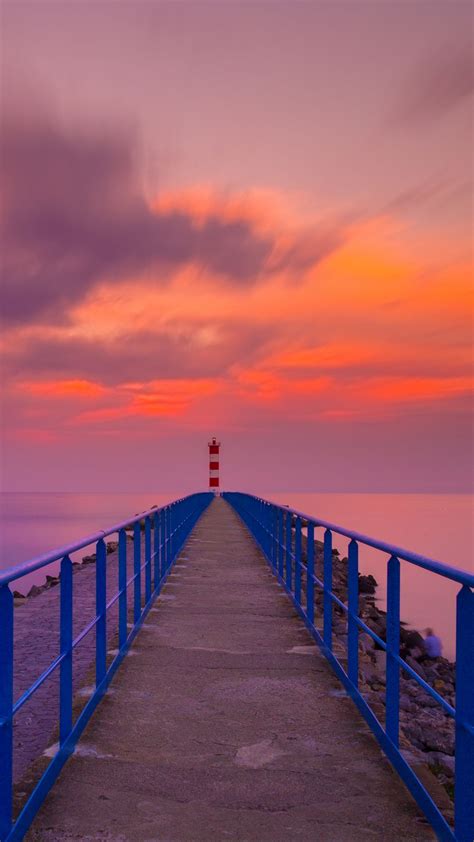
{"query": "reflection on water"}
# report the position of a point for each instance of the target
(439, 526)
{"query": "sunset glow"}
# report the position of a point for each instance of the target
(193, 265)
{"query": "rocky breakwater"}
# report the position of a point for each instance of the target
(426, 731)
(52, 581)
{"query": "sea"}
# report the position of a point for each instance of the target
(439, 526)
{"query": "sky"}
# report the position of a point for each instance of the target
(243, 220)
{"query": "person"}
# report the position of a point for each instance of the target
(432, 644)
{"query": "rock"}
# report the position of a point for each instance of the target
(380, 660)
(436, 739)
(414, 732)
(368, 674)
(410, 639)
(416, 666)
(429, 702)
(35, 590)
(89, 559)
(111, 546)
(431, 670)
(18, 595)
(411, 687)
(367, 584)
(407, 705)
(51, 581)
(366, 642)
(447, 763)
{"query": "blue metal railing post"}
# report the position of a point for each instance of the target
(184, 515)
(6, 709)
(464, 781)
(288, 543)
(147, 559)
(310, 574)
(280, 543)
(172, 537)
(101, 601)
(253, 511)
(162, 543)
(137, 561)
(353, 610)
(122, 583)
(168, 536)
(65, 642)
(274, 539)
(298, 560)
(156, 550)
(327, 585)
(392, 697)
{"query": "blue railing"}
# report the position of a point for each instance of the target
(279, 532)
(170, 526)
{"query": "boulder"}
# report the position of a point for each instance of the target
(410, 639)
(447, 763)
(407, 705)
(437, 739)
(367, 584)
(35, 590)
(366, 642)
(380, 660)
(416, 666)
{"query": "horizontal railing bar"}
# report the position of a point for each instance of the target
(268, 527)
(85, 631)
(454, 573)
(189, 511)
(114, 599)
(10, 574)
(37, 684)
(413, 674)
(430, 690)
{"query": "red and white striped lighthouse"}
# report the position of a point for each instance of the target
(214, 465)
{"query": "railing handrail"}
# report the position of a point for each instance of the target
(278, 530)
(454, 573)
(134, 596)
(17, 571)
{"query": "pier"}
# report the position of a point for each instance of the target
(226, 710)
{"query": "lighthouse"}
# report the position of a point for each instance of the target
(214, 465)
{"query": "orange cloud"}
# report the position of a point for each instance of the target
(63, 388)
(403, 389)
(166, 398)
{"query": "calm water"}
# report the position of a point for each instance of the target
(439, 526)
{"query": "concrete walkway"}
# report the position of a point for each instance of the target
(224, 723)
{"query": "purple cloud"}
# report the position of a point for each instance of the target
(74, 214)
(138, 355)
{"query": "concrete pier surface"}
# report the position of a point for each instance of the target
(226, 723)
